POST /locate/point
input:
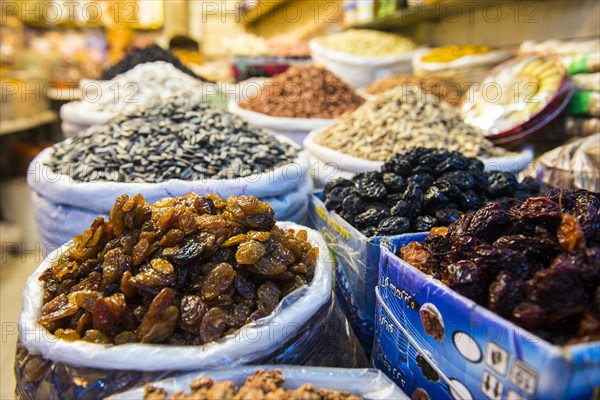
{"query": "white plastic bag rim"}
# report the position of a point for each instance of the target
(367, 383)
(352, 59)
(43, 180)
(76, 112)
(285, 124)
(468, 61)
(346, 162)
(271, 332)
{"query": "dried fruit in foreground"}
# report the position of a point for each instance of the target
(185, 270)
(261, 385)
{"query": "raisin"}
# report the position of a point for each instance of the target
(214, 324)
(268, 296)
(529, 315)
(570, 235)
(250, 252)
(160, 321)
(218, 281)
(488, 222)
(537, 211)
(540, 250)
(562, 277)
(192, 310)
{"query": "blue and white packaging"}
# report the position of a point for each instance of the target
(429, 338)
(356, 262)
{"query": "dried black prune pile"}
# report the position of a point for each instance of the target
(419, 189)
(537, 264)
(186, 270)
(144, 55)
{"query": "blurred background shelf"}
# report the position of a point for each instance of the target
(11, 126)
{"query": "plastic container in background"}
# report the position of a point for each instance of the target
(328, 164)
(367, 383)
(467, 351)
(360, 71)
(518, 98)
(246, 67)
(306, 328)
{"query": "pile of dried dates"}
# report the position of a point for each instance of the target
(419, 189)
(537, 264)
(184, 270)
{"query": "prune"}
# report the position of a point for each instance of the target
(590, 268)
(587, 212)
(468, 200)
(402, 208)
(489, 222)
(337, 183)
(501, 183)
(352, 206)
(414, 195)
(465, 278)
(589, 328)
(447, 216)
(394, 182)
(434, 198)
(130, 288)
(505, 293)
(426, 369)
(398, 164)
(562, 278)
(460, 227)
(393, 198)
(567, 199)
(536, 211)
(530, 186)
(461, 179)
(424, 223)
(480, 179)
(455, 161)
(393, 226)
(529, 315)
(370, 186)
(335, 198)
(437, 245)
(448, 189)
(372, 216)
(540, 250)
(491, 260)
(369, 231)
(422, 181)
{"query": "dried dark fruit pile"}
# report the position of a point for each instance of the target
(144, 55)
(305, 92)
(421, 188)
(186, 270)
(537, 264)
(262, 385)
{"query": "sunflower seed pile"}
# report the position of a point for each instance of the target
(400, 119)
(179, 138)
(141, 86)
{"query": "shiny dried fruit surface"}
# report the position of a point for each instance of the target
(420, 189)
(537, 264)
(262, 384)
(185, 270)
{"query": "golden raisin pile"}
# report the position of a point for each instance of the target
(185, 270)
(262, 385)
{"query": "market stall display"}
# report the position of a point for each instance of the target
(416, 190)
(394, 121)
(446, 91)
(172, 147)
(298, 101)
(186, 278)
(361, 56)
(125, 93)
(500, 268)
(517, 98)
(365, 383)
(461, 65)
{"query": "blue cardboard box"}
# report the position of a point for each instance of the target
(357, 263)
(429, 338)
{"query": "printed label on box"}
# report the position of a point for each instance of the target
(524, 377)
(496, 358)
(491, 386)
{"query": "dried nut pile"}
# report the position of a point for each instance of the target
(367, 43)
(419, 189)
(177, 138)
(397, 120)
(537, 264)
(446, 91)
(142, 85)
(305, 92)
(186, 270)
(262, 385)
(450, 53)
(144, 55)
